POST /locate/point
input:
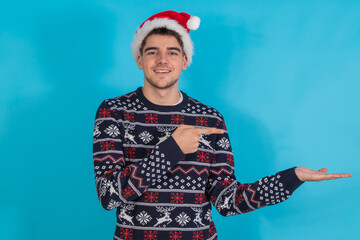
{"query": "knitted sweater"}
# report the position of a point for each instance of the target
(160, 193)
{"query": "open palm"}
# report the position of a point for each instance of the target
(307, 174)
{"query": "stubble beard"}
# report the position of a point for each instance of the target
(155, 85)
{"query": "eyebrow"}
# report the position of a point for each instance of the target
(169, 48)
(175, 48)
(150, 48)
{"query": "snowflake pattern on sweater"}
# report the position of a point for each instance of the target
(159, 192)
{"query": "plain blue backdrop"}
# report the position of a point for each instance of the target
(284, 74)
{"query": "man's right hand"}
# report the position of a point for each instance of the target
(187, 137)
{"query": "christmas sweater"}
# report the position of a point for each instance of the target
(161, 193)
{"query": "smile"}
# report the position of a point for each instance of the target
(162, 70)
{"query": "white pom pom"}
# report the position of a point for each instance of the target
(193, 23)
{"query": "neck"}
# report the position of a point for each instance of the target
(168, 96)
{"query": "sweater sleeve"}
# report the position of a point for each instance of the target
(118, 182)
(231, 197)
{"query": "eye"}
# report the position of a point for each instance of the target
(174, 53)
(151, 53)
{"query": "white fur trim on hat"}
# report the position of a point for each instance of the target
(158, 23)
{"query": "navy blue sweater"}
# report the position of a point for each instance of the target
(161, 193)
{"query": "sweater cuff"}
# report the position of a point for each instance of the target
(171, 150)
(290, 179)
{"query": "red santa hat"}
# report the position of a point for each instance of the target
(181, 23)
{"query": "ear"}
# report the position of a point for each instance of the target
(184, 65)
(139, 62)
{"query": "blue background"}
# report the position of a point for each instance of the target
(285, 75)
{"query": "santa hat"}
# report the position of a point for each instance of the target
(181, 23)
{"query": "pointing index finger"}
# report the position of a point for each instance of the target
(209, 131)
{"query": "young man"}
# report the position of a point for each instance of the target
(161, 156)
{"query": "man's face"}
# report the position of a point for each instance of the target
(162, 60)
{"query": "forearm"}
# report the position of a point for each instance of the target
(240, 198)
(124, 183)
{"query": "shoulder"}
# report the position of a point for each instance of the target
(196, 107)
(123, 101)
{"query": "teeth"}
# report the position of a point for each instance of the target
(162, 71)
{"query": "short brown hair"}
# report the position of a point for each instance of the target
(164, 32)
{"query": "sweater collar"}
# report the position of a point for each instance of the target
(163, 108)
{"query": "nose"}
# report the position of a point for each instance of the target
(162, 58)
